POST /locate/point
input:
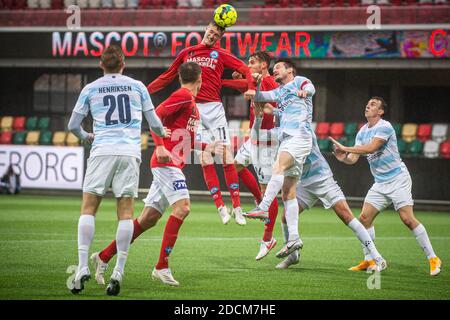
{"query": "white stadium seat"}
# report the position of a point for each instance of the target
(431, 149)
(83, 4)
(68, 3)
(94, 3)
(132, 4)
(439, 132)
(45, 4)
(107, 4)
(119, 3)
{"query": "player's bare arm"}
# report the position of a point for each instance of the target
(373, 146)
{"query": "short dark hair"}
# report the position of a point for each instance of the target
(221, 29)
(288, 63)
(383, 104)
(262, 56)
(189, 72)
(112, 58)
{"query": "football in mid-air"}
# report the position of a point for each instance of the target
(225, 16)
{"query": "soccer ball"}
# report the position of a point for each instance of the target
(225, 16)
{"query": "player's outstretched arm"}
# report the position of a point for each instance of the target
(75, 127)
(265, 96)
(168, 76)
(371, 147)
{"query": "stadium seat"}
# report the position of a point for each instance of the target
(107, 4)
(33, 4)
(32, 138)
(415, 148)
(31, 123)
(401, 144)
(83, 4)
(144, 141)
(6, 123)
(337, 130)
(324, 145)
(351, 129)
(119, 3)
(72, 140)
(132, 4)
(409, 132)
(43, 123)
(45, 4)
(19, 123)
(59, 138)
(398, 129)
(45, 138)
(424, 132)
(94, 4)
(445, 149)
(431, 149)
(439, 132)
(68, 3)
(322, 130)
(19, 137)
(6, 137)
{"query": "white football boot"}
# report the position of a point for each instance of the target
(81, 277)
(113, 287)
(289, 247)
(100, 268)
(292, 259)
(237, 213)
(265, 248)
(224, 215)
(165, 275)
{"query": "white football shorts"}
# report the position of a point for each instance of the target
(120, 172)
(327, 191)
(397, 191)
(168, 186)
(299, 149)
(213, 123)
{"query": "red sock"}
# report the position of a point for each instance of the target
(111, 250)
(231, 177)
(268, 228)
(169, 238)
(213, 184)
(250, 182)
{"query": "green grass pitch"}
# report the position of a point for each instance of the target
(38, 242)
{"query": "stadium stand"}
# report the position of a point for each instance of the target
(409, 132)
(322, 130)
(72, 140)
(337, 130)
(6, 123)
(439, 132)
(5, 137)
(445, 149)
(32, 138)
(431, 149)
(59, 138)
(19, 124)
(424, 132)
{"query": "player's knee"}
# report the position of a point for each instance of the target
(409, 221)
(182, 211)
(364, 219)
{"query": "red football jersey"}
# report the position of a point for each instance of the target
(213, 61)
(179, 113)
(268, 83)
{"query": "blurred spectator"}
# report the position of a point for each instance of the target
(45, 4)
(10, 182)
(119, 3)
(133, 4)
(33, 4)
(107, 3)
(94, 3)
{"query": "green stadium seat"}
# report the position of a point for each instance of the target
(43, 123)
(45, 138)
(397, 129)
(19, 137)
(351, 129)
(401, 144)
(324, 145)
(31, 123)
(415, 148)
(350, 141)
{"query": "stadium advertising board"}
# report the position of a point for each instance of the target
(45, 167)
(296, 44)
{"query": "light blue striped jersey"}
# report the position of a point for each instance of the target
(295, 112)
(316, 167)
(116, 103)
(385, 163)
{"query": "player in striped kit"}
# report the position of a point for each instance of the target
(214, 126)
(180, 114)
(116, 103)
(259, 150)
(378, 142)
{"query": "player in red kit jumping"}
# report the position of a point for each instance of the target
(259, 150)
(179, 113)
(214, 126)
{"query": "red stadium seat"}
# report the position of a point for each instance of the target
(424, 132)
(337, 130)
(322, 130)
(6, 137)
(445, 149)
(19, 123)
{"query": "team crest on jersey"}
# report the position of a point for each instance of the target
(179, 185)
(214, 190)
(214, 54)
(234, 186)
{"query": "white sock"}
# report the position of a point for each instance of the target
(291, 208)
(370, 251)
(284, 228)
(86, 229)
(123, 239)
(367, 255)
(272, 190)
(424, 242)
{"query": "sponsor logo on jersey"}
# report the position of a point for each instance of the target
(204, 61)
(214, 54)
(234, 186)
(214, 190)
(179, 185)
